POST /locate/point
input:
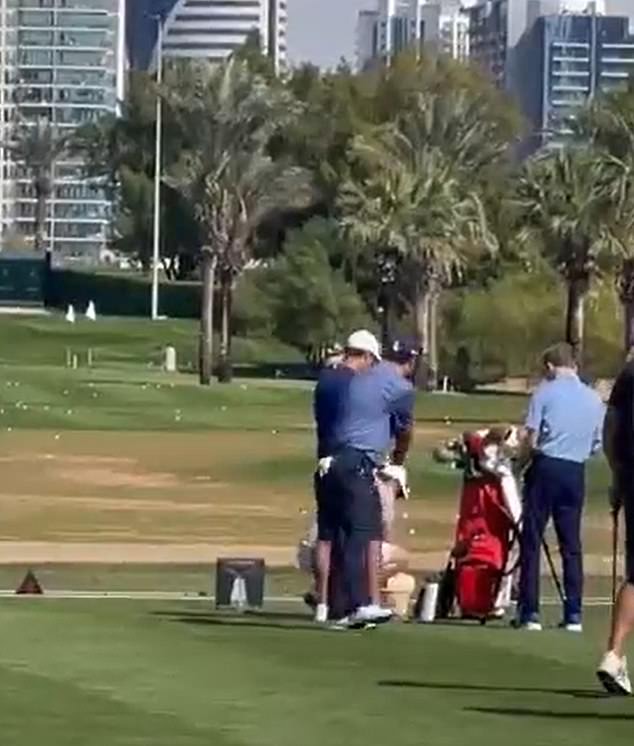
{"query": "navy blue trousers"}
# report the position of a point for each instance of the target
(354, 517)
(553, 487)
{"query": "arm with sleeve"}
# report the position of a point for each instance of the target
(535, 414)
(402, 420)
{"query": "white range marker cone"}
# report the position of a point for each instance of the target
(70, 314)
(91, 311)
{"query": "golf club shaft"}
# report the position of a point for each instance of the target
(615, 550)
(553, 571)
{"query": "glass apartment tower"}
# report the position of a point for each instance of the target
(566, 60)
(61, 61)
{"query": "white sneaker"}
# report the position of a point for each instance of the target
(340, 624)
(372, 613)
(612, 673)
(532, 625)
(573, 627)
(321, 613)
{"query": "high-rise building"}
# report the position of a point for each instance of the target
(62, 61)
(207, 29)
(495, 27)
(566, 60)
(397, 25)
(553, 55)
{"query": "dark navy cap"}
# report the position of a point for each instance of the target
(402, 351)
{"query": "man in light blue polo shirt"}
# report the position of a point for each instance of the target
(377, 413)
(563, 429)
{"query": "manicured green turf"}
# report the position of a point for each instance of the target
(125, 388)
(119, 341)
(139, 674)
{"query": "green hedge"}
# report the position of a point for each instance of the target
(121, 295)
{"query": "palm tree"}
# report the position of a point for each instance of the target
(37, 145)
(228, 176)
(620, 229)
(413, 200)
(563, 200)
(609, 124)
(416, 191)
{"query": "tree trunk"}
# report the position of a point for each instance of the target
(628, 313)
(41, 198)
(422, 313)
(625, 286)
(207, 318)
(433, 339)
(575, 317)
(225, 368)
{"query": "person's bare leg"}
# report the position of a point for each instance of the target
(324, 549)
(373, 564)
(623, 623)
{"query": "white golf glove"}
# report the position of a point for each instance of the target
(323, 466)
(397, 474)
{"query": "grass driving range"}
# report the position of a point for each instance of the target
(118, 476)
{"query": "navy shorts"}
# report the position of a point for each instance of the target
(348, 500)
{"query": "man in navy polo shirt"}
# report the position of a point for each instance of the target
(361, 352)
(563, 429)
(618, 443)
(377, 419)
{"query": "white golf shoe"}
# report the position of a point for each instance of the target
(612, 673)
(321, 613)
(371, 614)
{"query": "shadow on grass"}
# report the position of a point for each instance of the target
(258, 620)
(534, 713)
(459, 687)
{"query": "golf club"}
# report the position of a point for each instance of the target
(553, 572)
(615, 550)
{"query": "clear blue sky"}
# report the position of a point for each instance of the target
(322, 31)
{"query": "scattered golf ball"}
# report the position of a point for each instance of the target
(65, 392)
(405, 516)
(412, 531)
(9, 429)
(46, 407)
(274, 432)
(57, 437)
(69, 411)
(223, 409)
(1, 411)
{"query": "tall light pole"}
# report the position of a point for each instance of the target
(156, 248)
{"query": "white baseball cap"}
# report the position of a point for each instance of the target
(364, 341)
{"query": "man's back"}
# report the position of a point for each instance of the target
(330, 395)
(377, 402)
(567, 416)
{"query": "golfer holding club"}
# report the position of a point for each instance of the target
(618, 443)
(377, 412)
(562, 431)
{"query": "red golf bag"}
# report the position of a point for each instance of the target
(485, 532)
